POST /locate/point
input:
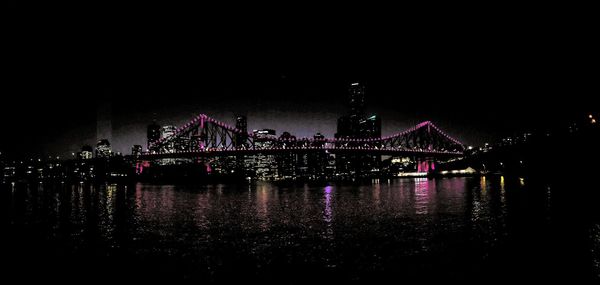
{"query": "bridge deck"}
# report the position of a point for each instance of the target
(227, 152)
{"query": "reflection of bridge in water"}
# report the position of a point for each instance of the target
(204, 136)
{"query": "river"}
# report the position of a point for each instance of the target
(477, 228)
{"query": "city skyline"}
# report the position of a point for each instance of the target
(128, 121)
(480, 84)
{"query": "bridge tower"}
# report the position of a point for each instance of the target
(241, 123)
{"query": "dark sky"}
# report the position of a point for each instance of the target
(479, 78)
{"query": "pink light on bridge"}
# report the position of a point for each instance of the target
(139, 166)
(204, 119)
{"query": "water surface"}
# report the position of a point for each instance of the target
(407, 229)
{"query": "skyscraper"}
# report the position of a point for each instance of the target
(241, 123)
(317, 161)
(166, 132)
(265, 165)
(351, 125)
(357, 99)
(242, 163)
(153, 133)
(287, 161)
(355, 124)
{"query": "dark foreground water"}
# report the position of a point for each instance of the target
(474, 229)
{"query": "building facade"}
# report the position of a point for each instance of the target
(103, 149)
(265, 165)
(357, 125)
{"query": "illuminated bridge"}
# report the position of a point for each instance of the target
(204, 136)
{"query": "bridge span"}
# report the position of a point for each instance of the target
(204, 136)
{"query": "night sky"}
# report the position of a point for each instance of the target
(478, 79)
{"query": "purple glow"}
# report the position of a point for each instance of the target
(328, 189)
(328, 212)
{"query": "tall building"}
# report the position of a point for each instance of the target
(370, 127)
(357, 99)
(243, 164)
(153, 133)
(356, 124)
(241, 123)
(317, 161)
(265, 135)
(265, 165)
(103, 149)
(170, 147)
(166, 132)
(286, 162)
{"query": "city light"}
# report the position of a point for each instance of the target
(459, 171)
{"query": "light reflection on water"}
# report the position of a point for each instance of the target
(410, 225)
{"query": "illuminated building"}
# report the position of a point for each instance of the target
(153, 133)
(167, 132)
(103, 149)
(9, 172)
(170, 147)
(264, 136)
(265, 165)
(370, 127)
(86, 152)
